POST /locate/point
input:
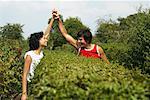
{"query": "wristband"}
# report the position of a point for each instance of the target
(24, 93)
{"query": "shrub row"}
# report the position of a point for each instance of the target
(62, 75)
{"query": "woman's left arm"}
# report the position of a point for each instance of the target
(103, 55)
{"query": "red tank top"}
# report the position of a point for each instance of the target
(90, 53)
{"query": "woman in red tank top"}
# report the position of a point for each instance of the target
(83, 42)
(90, 53)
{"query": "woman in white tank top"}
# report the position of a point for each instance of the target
(37, 41)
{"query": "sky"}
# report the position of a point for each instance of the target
(34, 14)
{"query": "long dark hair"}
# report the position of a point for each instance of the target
(34, 40)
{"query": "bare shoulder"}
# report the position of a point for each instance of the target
(28, 58)
(100, 49)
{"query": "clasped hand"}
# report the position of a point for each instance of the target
(55, 14)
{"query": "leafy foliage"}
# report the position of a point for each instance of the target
(73, 26)
(63, 75)
(11, 31)
(11, 65)
(107, 31)
(141, 42)
(11, 62)
(130, 39)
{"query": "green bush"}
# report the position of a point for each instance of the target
(68, 47)
(11, 64)
(118, 53)
(132, 33)
(141, 43)
(63, 75)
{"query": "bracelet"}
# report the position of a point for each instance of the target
(24, 93)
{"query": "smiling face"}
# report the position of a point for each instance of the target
(84, 37)
(43, 41)
(81, 42)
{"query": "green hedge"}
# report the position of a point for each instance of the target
(11, 65)
(63, 75)
(118, 53)
(131, 32)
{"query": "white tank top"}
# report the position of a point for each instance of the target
(35, 61)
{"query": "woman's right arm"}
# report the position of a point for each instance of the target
(48, 29)
(26, 68)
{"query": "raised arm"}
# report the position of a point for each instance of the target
(48, 29)
(68, 37)
(103, 56)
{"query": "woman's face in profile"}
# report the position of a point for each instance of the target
(43, 41)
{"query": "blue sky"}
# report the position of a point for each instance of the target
(34, 14)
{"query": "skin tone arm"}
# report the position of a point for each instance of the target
(27, 64)
(103, 56)
(48, 29)
(68, 37)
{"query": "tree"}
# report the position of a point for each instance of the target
(140, 42)
(132, 41)
(11, 31)
(107, 31)
(73, 25)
